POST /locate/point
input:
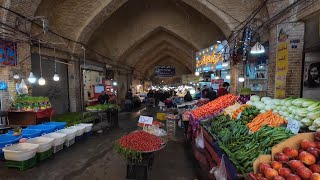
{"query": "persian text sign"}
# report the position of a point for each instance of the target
(165, 71)
(282, 65)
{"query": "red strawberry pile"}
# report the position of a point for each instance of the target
(293, 164)
(140, 141)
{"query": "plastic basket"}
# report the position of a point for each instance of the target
(28, 133)
(69, 143)
(57, 148)
(22, 165)
(44, 155)
(59, 125)
(44, 128)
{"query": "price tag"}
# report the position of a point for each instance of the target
(145, 119)
(293, 126)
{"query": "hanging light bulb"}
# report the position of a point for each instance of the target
(16, 76)
(225, 64)
(197, 73)
(42, 81)
(56, 76)
(257, 49)
(241, 79)
(228, 76)
(31, 78)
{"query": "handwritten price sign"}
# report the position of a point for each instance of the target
(293, 126)
(145, 119)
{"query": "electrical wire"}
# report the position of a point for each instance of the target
(61, 36)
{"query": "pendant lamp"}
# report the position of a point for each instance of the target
(257, 49)
(41, 81)
(56, 76)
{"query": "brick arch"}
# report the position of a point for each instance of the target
(153, 40)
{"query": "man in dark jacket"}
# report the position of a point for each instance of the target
(205, 91)
(103, 98)
(212, 95)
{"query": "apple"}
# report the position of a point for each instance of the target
(304, 172)
(294, 164)
(278, 178)
(317, 136)
(307, 158)
(269, 173)
(276, 165)
(315, 168)
(313, 151)
(305, 144)
(281, 157)
(284, 171)
(315, 176)
(292, 177)
(263, 166)
(290, 152)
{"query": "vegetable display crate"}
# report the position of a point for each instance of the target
(44, 155)
(22, 165)
(57, 148)
(69, 143)
(79, 138)
(87, 134)
(140, 171)
(171, 127)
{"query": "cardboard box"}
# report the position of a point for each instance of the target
(293, 142)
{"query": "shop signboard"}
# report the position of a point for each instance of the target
(282, 64)
(165, 71)
(210, 59)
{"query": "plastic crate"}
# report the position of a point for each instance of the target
(8, 139)
(28, 133)
(59, 125)
(22, 165)
(69, 143)
(44, 128)
(87, 134)
(1, 155)
(79, 138)
(57, 148)
(44, 155)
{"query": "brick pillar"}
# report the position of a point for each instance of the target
(74, 86)
(293, 85)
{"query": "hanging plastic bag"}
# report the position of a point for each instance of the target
(220, 171)
(23, 89)
(200, 140)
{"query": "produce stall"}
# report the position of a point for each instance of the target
(238, 129)
(108, 112)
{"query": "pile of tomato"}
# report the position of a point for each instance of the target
(214, 106)
(141, 141)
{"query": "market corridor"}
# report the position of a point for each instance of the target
(95, 158)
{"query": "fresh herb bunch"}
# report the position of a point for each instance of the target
(131, 155)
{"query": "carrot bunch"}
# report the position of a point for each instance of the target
(267, 118)
(239, 110)
(214, 106)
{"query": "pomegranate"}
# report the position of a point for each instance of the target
(281, 157)
(294, 164)
(315, 176)
(314, 152)
(317, 136)
(290, 152)
(307, 158)
(315, 168)
(317, 144)
(278, 178)
(292, 177)
(263, 166)
(304, 172)
(269, 173)
(284, 171)
(305, 144)
(276, 165)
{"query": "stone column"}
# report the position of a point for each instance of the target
(74, 86)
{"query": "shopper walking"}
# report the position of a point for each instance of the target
(129, 100)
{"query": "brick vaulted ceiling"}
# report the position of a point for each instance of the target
(142, 33)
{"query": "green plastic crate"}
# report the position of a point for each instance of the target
(22, 165)
(44, 155)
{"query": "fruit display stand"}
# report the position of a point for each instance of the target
(23, 118)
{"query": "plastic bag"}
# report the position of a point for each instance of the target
(220, 171)
(200, 141)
